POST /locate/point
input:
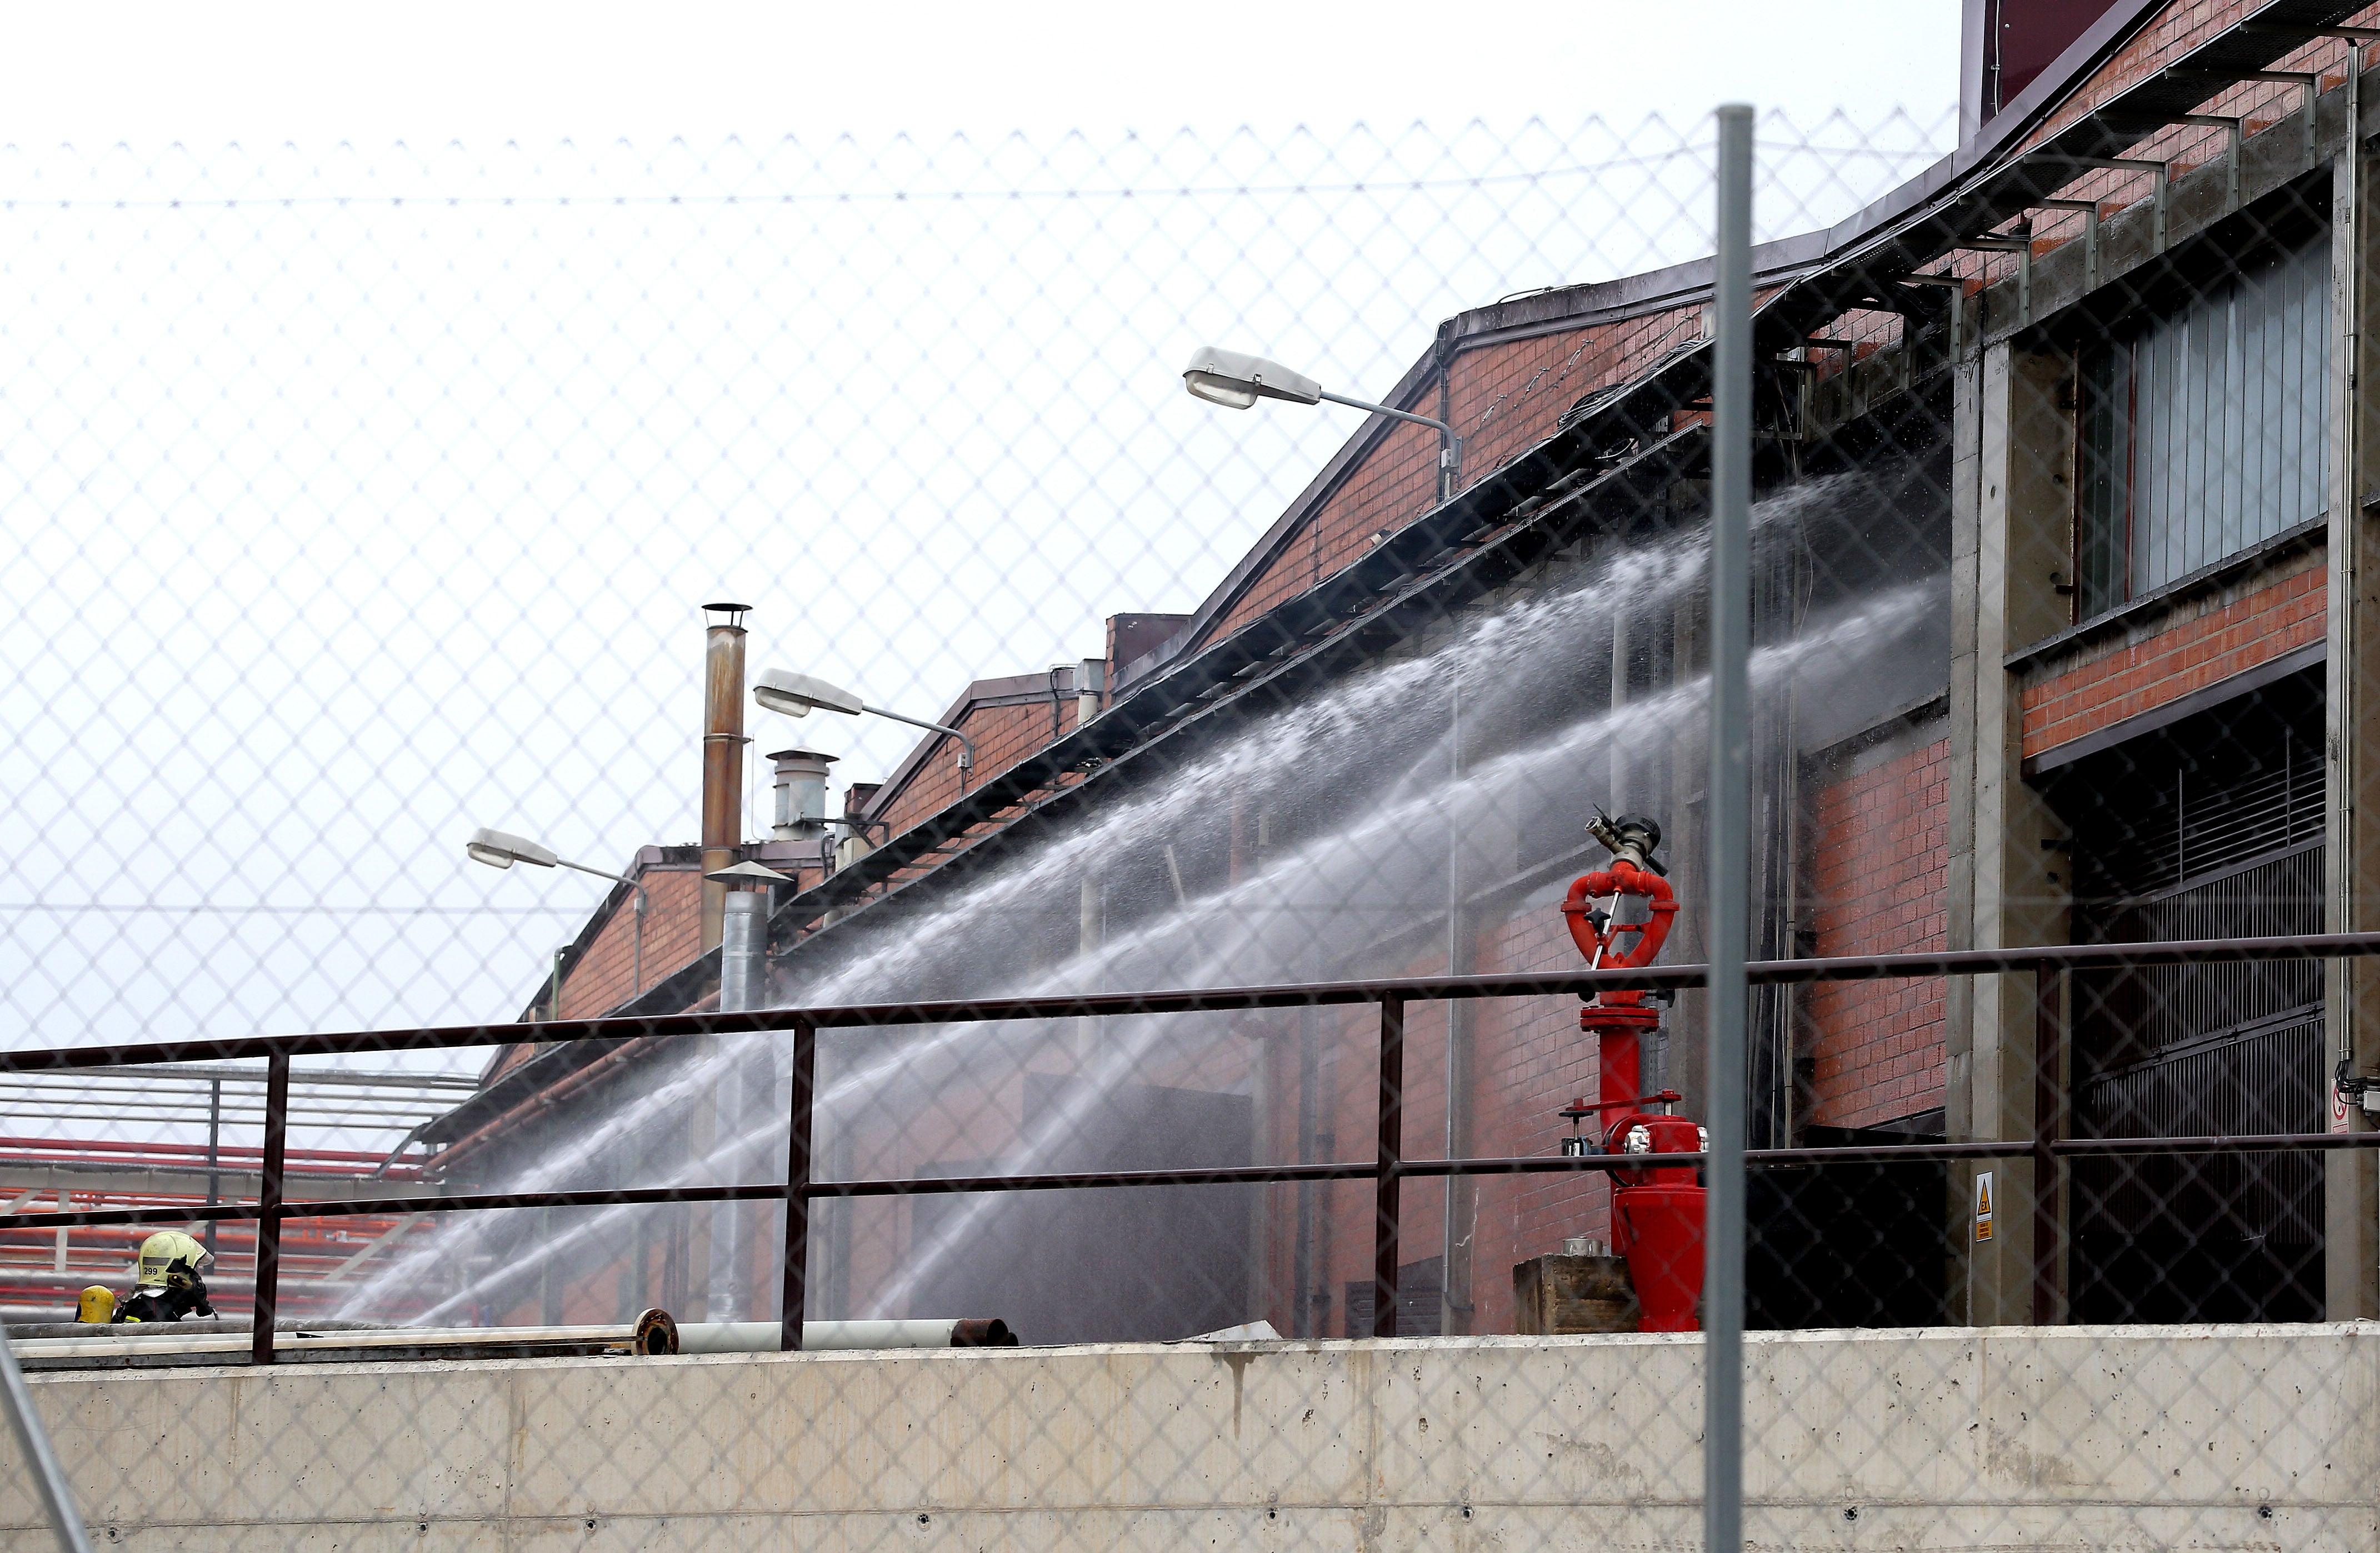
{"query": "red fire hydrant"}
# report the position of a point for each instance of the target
(1657, 1215)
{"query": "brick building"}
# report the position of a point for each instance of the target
(2067, 475)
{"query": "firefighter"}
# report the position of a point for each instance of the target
(168, 1286)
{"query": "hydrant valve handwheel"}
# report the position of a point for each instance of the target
(1634, 875)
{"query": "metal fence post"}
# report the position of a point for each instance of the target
(800, 1109)
(1730, 832)
(41, 1459)
(1389, 1186)
(2049, 1126)
(268, 1206)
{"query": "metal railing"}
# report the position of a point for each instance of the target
(2048, 964)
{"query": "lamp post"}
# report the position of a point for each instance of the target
(781, 690)
(499, 849)
(1236, 382)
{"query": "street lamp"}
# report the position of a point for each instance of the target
(1236, 382)
(500, 849)
(781, 690)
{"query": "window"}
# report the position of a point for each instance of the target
(2204, 431)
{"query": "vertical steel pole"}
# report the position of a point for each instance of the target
(636, 970)
(268, 1216)
(1730, 806)
(1462, 1206)
(49, 1477)
(2049, 1125)
(798, 1118)
(214, 1155)
(1389, 1186)
(743, 979)
(1309, 1077)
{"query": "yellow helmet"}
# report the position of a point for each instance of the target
(97, 1306)
(162, 1250)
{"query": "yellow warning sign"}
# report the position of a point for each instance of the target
(1982, 1206)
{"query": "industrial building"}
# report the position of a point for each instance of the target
(2065, 474)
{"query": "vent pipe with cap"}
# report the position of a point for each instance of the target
(801, 794)
(744, 936)
(722, 755)
(744, 1077)
(744, 929)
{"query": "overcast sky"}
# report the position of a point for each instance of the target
(147, 72)
(352, 497)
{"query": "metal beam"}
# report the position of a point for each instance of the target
(203, 1071)
(2090, 209)
(2232, 123)
(32, 1179)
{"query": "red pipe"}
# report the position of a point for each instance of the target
(74, 1148)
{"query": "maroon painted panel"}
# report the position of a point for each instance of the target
(2027, 37)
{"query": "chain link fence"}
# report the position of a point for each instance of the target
(1199, 902)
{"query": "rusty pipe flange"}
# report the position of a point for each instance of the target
(656, 1332)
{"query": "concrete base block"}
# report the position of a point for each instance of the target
(1558, 1295)
(1936, 1439)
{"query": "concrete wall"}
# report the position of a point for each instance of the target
(2204, 1437)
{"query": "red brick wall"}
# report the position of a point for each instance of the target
(602, 980)
(1506, 399)
(1003, 735)
(1882, 839)
(2179, 28)
(2224, 639)
(1530, 1058)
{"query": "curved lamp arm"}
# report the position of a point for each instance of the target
(636, 970)
(967, 745)
(1443, 428)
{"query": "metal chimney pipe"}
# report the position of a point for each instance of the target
(723, 755)
(743, 983)
(743, 966)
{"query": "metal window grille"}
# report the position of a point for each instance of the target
(2203, 429)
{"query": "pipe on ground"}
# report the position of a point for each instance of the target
(761, 1337)
(175, 1344)
(70, 1344)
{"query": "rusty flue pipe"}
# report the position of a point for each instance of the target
(723, 755)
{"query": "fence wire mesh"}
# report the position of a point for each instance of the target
(365, 505)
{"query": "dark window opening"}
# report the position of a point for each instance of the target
(2208, 828)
